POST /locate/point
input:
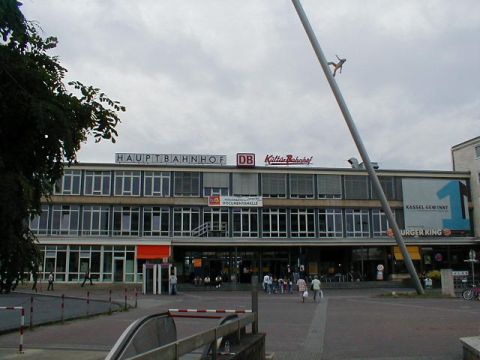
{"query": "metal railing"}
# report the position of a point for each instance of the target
(144, 334)
(174, 350)
(207, 228)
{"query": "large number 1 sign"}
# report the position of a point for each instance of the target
(457, 193)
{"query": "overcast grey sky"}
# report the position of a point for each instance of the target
(228, 76)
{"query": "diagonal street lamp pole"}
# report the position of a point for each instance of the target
(358, 141)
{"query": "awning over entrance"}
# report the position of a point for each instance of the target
(153, 252)
(414, 252)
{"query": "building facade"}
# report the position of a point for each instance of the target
(210, 219)
(466, 157)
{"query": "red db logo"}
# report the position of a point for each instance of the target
(245, 160)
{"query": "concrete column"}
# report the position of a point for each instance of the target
(447, 282)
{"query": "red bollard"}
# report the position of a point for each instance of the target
(63, 307)
(22, 324)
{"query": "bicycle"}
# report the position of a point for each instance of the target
(472, 292)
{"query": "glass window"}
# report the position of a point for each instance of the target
(73, 265)
(211, 191)
(96, 220)
(39, 224)
(301, 186)
(126, 220)
(61, 261)
(379, 222)
(65, 219)
(217, 220)
(69, 184)
(245, 222)
(127, 183)
(107, 262)
(388, 186)
(156, 183)
(357, 222)
(156, 221)
(274, 222)
(216, 184)
(186, 222)
(356, 187)
(330, 223)
(130, 267)
(245, 184)
(95, 264)
(477, 151)
(187, 184)
(97, 183)
(274, 185)
(329, 186)
(398, 188)
(302, 223)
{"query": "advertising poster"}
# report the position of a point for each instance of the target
(435, 205)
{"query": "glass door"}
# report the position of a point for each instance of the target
(118, 270)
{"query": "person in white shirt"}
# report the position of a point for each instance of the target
(265, 283)
(270, 283)
(173, 284)
(316, 289)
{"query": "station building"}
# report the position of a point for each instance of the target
(209, 218)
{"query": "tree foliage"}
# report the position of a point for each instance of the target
(43, 123)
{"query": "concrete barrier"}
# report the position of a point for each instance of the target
(471, 347)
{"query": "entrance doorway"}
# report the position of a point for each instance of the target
(118, 266)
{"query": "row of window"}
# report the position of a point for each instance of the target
(75, 220)
(196, 184)
(104, 263)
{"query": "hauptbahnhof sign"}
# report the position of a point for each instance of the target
(170, 159)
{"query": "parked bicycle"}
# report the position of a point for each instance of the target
(473, 291)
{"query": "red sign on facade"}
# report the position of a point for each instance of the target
(214, 200)
(245, 160)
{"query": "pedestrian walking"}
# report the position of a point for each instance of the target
(173, 284)
(50, 281)
(302, 288)
(270, 283)
(281, 285)
(88, 276)
(265, 283)
(316, 289)
(35, 280)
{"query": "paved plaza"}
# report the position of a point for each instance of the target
(347, 324)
